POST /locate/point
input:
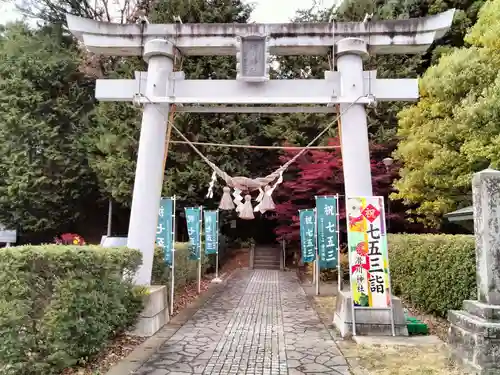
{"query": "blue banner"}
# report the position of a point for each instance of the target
(164, 228)
(308, 235)
(193, 220)
(328, 238)
(211, 232)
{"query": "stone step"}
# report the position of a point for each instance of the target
(270, 257)
(482, 310)
(267, 262)
(474, 342)
(266, 266)
(474, 324)
(267, 257)
(266, 252)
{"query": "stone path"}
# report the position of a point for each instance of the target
(261, 323)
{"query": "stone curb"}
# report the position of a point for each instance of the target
(144, 351)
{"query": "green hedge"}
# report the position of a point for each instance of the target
(433, 272)
(186, 270)
(60, 304)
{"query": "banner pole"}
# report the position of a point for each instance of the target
(353, 308)
(317, 252)
(391, 306)
(217, 253)
(217, 265)
(172, 286)
(339, 276)
(314, 271)
(199, 253)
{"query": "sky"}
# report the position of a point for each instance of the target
(266, 11)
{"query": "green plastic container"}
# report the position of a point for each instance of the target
(416, 327)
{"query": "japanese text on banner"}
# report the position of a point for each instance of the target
(328, 239)
(164, 229)
(368, 255)
(193, 221)
(308, 235)
(211, 232)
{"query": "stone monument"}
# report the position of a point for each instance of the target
(157, 89)
(474, 334)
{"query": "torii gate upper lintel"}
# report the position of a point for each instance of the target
(253, 44)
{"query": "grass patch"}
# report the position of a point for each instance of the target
(406, 360)
(389, 360)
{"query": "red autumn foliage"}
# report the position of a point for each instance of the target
(319, 172)
(69, 239)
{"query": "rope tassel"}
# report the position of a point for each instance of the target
(210, 193)
(261, 195)
(267, 203)
(226, 203)
(246, 210)
(237, 199)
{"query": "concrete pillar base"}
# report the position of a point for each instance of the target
(474, 337)
(155, 314)
(368, 322)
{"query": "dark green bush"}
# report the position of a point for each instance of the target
(186, 270)
(60, 304)
(433, 272)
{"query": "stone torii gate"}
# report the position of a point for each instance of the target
(160, 87)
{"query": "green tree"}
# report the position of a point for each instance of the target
(113, 142)
(45, 181)
(453, 131)
(383, 119)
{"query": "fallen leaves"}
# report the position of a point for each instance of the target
(184, 296)
(437, 326)
(237, 259)
(118, 349)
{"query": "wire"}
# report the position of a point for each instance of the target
(283, 167)
(276, 173)
(209, 144)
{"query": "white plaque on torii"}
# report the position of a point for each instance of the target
(160, 87)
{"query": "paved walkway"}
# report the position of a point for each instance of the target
(261, 323)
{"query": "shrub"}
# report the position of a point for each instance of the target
(69, 239)
(186, 270)
(433, 272)
(331, 274)
(60, 304)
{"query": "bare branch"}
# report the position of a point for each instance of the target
(54, 11)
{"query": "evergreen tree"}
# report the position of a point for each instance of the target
(115, 138)
(45, 181)
(382, 120)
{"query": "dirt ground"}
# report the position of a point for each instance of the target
(432, 359)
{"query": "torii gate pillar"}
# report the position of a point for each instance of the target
(355, 149)
(149, 169)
